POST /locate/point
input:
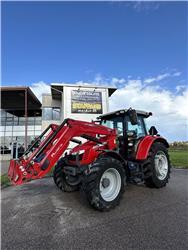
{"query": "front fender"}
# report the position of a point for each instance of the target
(145, 145)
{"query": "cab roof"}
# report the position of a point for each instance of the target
(122, 112)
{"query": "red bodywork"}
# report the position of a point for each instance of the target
(145, 145)
(36, 164)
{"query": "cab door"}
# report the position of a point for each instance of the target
(133, 134)
(139, 129)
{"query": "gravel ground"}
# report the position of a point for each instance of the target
(39, 216)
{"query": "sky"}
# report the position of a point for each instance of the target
(139, 47)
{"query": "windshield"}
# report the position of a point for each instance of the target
(116, 123)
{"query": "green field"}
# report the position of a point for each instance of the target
(179, 158)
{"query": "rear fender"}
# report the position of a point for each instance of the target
(145, 145)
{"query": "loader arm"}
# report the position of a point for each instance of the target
(38, 159)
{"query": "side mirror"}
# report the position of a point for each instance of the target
(153, 131)
(133, 116)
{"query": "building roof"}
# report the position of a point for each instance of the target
(57, 88)
(123, 111)
(13, 100)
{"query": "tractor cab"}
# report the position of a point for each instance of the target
(130, 126)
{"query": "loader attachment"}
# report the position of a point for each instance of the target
(17, 173)
(34, 163)
(14, 173)
(46, 150)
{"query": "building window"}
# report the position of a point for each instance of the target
(56, 114)
(8, 119)
(51, 114)
(3, 121)
(21, 121)
(38, 120)
(47, 114)
(12, 125)
(16, 120)
(31, 121)
(3, 113)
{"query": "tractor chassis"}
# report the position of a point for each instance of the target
(133, 169)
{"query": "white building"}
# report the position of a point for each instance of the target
(23, 117)
(84, 102)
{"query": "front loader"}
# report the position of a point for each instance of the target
(110, 152)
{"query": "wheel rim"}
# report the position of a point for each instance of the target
(110, 184)
(161, 165)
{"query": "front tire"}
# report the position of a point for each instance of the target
(61, 180)
(157, 166)
(104, 185)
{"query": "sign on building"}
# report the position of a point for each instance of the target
(86, 102)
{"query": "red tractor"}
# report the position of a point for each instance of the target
(110, 152)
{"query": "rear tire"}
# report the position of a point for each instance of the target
(104, 185)
(157, 166)
(60, 178)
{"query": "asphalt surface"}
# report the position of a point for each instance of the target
(39, 216)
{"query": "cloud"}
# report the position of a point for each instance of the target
(118, 80)
(177, 74)
(139, 6)
(100, 80)
(40, 88)
(180, 88)
(157, 78)
(169, 109)
(161, 77)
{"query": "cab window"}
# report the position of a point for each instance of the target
(108, 123)
(138, 128)
(119, 127)
(116, 123)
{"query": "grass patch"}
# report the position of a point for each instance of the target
(179, 158)
(5, 181)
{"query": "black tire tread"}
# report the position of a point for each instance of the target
(148, 167)
(89, 186)
(60, 180)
